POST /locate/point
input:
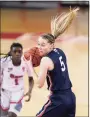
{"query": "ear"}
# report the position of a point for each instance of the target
(9, 53)
(52, 45)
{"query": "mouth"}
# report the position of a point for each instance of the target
(41, 52)
(18, 57)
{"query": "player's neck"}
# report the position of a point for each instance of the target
(16, 63)
(50, 50)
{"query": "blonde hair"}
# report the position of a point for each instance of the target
(59, 24)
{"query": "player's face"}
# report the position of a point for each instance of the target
(44, 46)
(16, 53)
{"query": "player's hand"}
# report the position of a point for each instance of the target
(28, 94)
(29, 60)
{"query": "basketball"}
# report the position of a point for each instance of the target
(35, 55)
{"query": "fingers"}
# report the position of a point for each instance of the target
(29, 97)
(29, 61)
(30, 58)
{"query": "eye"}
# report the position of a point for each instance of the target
(14, 51)
(38, 44)
(17, 51)
(43, 45)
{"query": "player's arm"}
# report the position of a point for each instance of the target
(44, 67)
(31, 84)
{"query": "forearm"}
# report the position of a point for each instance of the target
(31, 84)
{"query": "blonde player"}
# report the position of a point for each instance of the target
(62, 101)
(13, 68)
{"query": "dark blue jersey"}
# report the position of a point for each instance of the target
(59, 75)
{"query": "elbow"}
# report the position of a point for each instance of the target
(31, 80)
(40, 85)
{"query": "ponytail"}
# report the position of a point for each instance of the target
(60, 23)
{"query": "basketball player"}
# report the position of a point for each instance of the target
(62, 101)
(13, 68)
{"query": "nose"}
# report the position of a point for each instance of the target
(17, 54)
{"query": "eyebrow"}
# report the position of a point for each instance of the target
(42, 43)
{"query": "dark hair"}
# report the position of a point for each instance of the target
(16, 45)
(13, 45)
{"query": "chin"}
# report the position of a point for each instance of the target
(44, 54)
(41, 54)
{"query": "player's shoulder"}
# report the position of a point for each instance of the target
(22, 58)
(60, 51)
(5, 59)
(23, 62)
(45, 59)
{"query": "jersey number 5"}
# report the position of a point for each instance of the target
(62, 64)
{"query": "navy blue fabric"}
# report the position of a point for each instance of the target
(60, 79)
(63, 100)
(63, 104)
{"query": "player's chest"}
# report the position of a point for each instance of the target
(16, 71)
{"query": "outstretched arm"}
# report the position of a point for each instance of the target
(30, 78)
(31, 84)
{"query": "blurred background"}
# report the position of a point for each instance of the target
(20, 17)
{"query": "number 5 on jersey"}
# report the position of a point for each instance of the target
(62, 64)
